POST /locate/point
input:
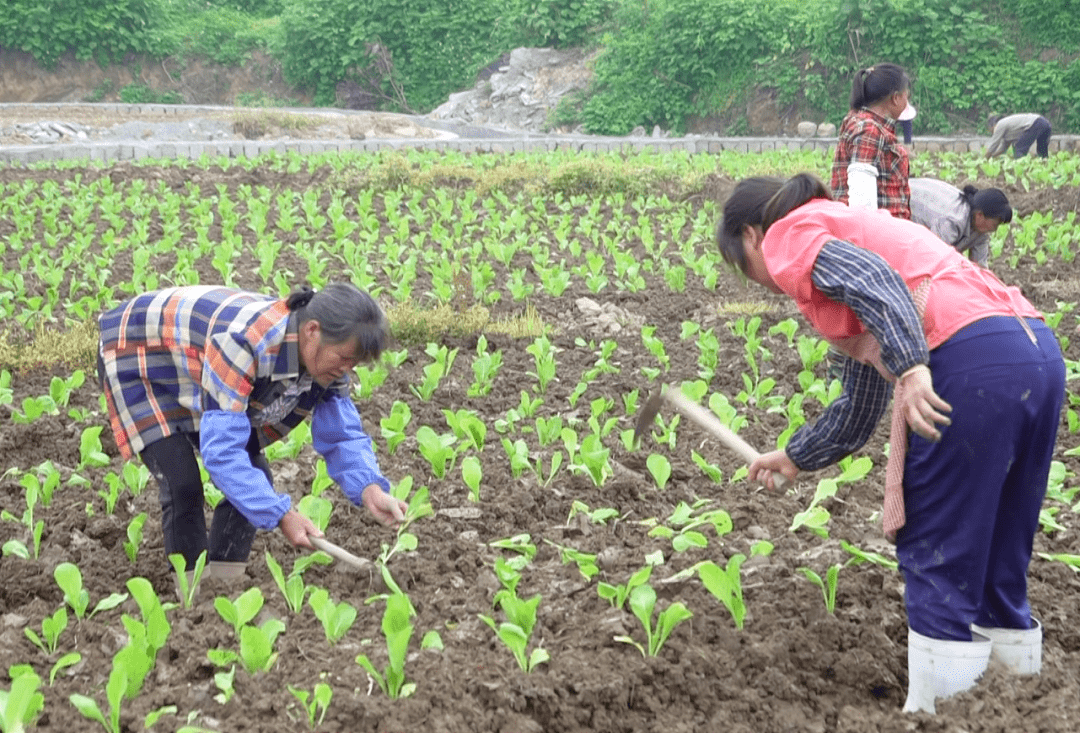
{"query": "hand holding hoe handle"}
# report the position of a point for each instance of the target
(705, 419)
(344, 555)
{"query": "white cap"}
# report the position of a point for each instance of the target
(907, 114)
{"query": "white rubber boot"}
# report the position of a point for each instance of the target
(939, 668)
(227, 571)
(1020, 650)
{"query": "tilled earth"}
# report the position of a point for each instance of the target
(793, 667)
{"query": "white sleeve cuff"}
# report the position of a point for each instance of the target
(862, 186)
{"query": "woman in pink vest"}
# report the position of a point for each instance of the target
(979, 383)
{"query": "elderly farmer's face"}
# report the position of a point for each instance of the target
(325, 361)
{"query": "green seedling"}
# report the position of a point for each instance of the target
(322, 480)
(594, 457)
(336, 618)
(432, 640)
(244, 609)
(69, 578)
(437, 448)
(518, 453)
(1072, 561)
(827, 586)
(51, 628)
(134, 535)
(257, 645)
(397, 628)
(115, 692)
(90, 451)
(543, 352)
(314, 703)
(549, 430)
(224, 681)
(726, 583)
(20, 705)
(659, 468)
(316, 508)
(861, 556)
(467, 427)
(393, 425)
(292, 588)
(520, 620)
(519, 543)
(585, 561)
(16, 549)
(616, 595)
(485, 367)
(68, 660)
(471, 474)
(154, 716)
(187, 587)
(709, 469)
(596, 516)
(643, 603)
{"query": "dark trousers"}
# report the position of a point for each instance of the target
(905, 125)
(172, 462)
(972, 500)
(1038, 133)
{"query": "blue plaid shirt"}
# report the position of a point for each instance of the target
(877, 294)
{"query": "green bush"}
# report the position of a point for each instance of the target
(435, 48)
(663, 57)
(557, 23)
(105, 30)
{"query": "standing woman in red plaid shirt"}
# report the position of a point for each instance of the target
(870, 168)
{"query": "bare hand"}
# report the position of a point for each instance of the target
(296, 528)
(920, 404)
(387, 510)
(761, 470)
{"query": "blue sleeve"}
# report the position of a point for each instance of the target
(338, 436)
(864, 281)
(846, 424)
(223, 438)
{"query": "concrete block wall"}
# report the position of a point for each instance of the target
(493, 141)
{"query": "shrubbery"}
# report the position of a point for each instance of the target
(663, 61)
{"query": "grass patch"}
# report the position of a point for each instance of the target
(74, 348)
(412, 324)
(745, 308)
(256, 123)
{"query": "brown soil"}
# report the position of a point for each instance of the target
(793, 667)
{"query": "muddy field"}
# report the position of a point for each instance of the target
(793, 667)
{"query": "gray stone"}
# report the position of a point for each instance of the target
(806, 129)
(826, 129)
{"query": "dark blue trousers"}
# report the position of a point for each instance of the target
(1038, 133)
(172, 462)
(972, 500)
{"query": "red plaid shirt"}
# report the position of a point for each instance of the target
(867, 137)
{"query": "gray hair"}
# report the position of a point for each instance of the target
(344, 312)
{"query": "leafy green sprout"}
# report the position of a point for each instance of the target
(397, 628)
(51, 628)
(314, 703)
(643, 605)
(617, 594)
(188, 587)
(69, 578)
(827, 586)
(336, 618)
(239, 612)
(22, 703)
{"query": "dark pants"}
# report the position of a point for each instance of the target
(1038, 133)
(172, 462)
(972, 500)
(905, 125)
